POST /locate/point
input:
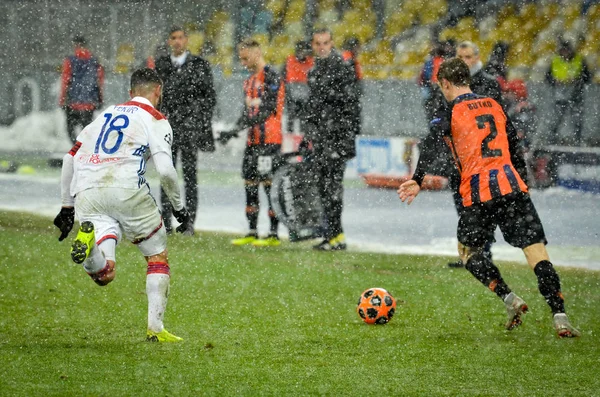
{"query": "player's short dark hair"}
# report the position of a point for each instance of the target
(79, 40)
(456, 71)
(248, 43)
(145, 76)
(177, 28)
(351, 44)
(322, 30)
(303, 45)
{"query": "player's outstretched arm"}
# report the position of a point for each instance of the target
(408, 191)
(66, 217)
(225, 136)
(168, 178)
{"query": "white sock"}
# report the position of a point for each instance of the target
(95, 262)
(157, 289)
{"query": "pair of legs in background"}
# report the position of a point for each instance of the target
(77, 118)
(575, 108)
(106, 214)
(521, 227)
(186, 144)
(329, 174)
(258, 166)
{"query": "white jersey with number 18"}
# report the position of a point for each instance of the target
(113, 150)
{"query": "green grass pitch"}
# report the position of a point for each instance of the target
(279, 322)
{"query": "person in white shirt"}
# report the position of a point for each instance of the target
(102, 182)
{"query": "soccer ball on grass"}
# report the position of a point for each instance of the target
(376, 306)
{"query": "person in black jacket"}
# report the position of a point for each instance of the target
(482, 83)
(188, 102)
(496, 64)
(333, 94)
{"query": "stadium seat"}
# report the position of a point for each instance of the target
(361, 5)
(412, 6)
(434, 11)
(593, 13)
(327, 17)
(398, 23)
(295, 30)
(549, 11)
(215, 23)
(465, 29)
(263, 21)
(281, 40)
(528, 11)
(295, 12)
(276, 7)
(195, 42)
(520, 54)
(507, 11)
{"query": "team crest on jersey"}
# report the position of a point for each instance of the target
(168, 139)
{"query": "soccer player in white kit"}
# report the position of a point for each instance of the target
(103, 182)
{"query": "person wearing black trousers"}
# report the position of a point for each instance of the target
(332, 128)
(188, 101)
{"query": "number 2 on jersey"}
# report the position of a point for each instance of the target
(113, 124)
(491, 124)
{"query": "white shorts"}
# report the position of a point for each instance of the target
(129, 212)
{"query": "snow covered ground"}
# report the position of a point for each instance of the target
(374, 220)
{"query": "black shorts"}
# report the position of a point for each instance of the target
(260, 162)
(514, 213)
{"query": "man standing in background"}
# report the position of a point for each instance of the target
(188, 101)
(334, 93)
(482, 83)
(263, 109)
(81, 89)
(568, 75)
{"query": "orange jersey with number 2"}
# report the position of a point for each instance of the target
(479, 143)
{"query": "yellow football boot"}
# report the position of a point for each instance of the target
(271, 241)
(248, 239)
(84, 242)
(163, 336)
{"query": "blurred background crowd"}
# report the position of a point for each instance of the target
(531, 47)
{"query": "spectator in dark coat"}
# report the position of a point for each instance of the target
(188, 101)
(81, 91)
(350, 54)
(496, 65)
(482, 83)
(333, 96)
